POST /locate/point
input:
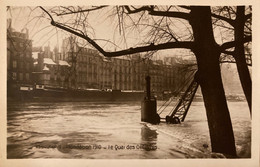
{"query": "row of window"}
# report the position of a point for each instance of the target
(121, 69)
(21, 65)
(20, 76)
(122, 62)
(87, 59)
(93, 67)
(22, 55)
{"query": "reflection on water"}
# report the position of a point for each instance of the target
(112, 131)
(149, 138)
(148, 135)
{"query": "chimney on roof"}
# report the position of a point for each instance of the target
(9, 24)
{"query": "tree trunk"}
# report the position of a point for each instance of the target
(209, 78)
(239, 56)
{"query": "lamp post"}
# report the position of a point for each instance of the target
(149, 106)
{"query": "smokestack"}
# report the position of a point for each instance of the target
(9, 24)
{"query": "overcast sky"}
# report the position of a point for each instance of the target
(42, 33)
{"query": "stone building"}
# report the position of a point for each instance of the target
(50, 73)
(121, 79)
(77, 67)
(19, 58)
(90, 70)
(106, 74)
(138, 72)
(156, 70)
(86, 65)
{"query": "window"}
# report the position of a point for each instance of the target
(14, 64)
(21, 65)
(27, 77)
(21, 76)
(27, 66)
(14, 76)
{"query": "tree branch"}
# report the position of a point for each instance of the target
(231, 44)
(137, 10)
(227, 61)
(248, 16)
(152, 12)
(184, 7)
(80, 11)
(231, 61)
(228, 52)
(92, 42)
(47, 13)
(151, 47)
(181, 15)
(230, 21)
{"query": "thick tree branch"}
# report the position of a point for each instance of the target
(232, 61)
(232, 44)
(137, 10)
(152, 12)
(181, 15)
(230, 21)
(248, 16)
(151, 47)
(227, 61)
(228, 52)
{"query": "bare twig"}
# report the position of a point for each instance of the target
(81, 11)
(151, 47)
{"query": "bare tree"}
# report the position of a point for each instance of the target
(236, 21)
(239, 53)
(199, 39)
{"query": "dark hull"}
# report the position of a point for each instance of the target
(75, 95)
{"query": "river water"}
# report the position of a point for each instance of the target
(104, 130)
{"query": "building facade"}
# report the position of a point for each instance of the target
(90, 70)
(19, 58)
(81, 68)
(49, 72)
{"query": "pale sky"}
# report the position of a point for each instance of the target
(42, 33)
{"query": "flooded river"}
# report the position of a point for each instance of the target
(90, 130)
